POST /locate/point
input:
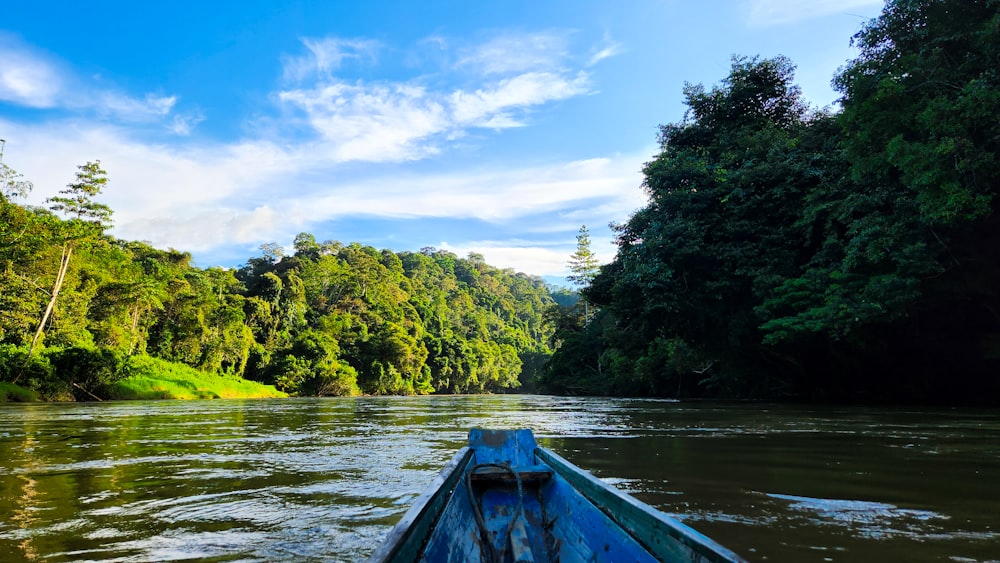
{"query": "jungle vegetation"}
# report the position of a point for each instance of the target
(82, 311)
(786, 251)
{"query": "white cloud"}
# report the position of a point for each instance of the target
(487, 195)
(130, 109)
(183, 124)
(30, 80)
(529, 256)
(26, 79)
(373, 123)
(776, 12)
(607, 50)
(515, 53)
(411, 118)
(326, 55)
(396, 122)
(536, 260)
(484, 107)
(204, 197)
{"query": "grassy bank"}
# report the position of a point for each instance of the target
(158, 379)
(10, 393)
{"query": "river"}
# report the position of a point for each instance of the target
(325, 479)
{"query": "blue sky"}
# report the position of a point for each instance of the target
(490, 127)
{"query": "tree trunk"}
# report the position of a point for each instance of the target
(67, 251)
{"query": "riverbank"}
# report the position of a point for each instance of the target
(153, 378)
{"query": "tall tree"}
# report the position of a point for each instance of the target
(87, 218)
(583, 262)
(584, 265)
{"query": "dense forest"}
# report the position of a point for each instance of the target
(786, 252)
(80, 310)
(812, 254)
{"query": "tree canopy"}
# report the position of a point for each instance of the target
(793, 252)
(328, 319)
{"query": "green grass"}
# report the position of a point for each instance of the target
(15, 393)
(158, 379)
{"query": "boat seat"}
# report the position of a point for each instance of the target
(529, 474)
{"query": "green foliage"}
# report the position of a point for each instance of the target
(921, 102)
(33, 372)
(332, 319)
(77, 200)
(563, 296)
(86, 372)
(789, 252)
(386, 323)
(583, 263)
(312, 366)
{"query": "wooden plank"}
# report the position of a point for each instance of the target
(406, 538)
(529, 475)
(581, 532)
(515, 447)
(455, 537)
(666, 538)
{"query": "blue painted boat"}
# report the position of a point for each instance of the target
(504, 499)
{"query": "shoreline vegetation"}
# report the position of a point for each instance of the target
(154, 379)
(786, 253)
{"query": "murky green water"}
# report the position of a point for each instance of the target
(324, 480)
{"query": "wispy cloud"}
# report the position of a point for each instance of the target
(183, 124)
(490, 106)
(487, 195)
(27, 79)
(127, 108)
(777, 12)
(204, 196)
(370, 123)
(409, 119)
(326, 55)
(516, 52)
(606, 50)
(30, 79)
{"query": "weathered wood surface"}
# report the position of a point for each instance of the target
(551, 511)
(666, 538)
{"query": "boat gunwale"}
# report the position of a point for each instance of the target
(639, 514)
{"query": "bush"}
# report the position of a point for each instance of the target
(87, 371)
(34, 375)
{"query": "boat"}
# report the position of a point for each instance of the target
(502, 498)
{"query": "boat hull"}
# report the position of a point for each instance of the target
(502, 498)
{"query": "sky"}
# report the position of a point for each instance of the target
(491, 127)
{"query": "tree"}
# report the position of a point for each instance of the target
(87, 219)
(11, 183)
(584, 265)
(717, 235)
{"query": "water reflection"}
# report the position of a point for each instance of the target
(877, 521)
(324, 479)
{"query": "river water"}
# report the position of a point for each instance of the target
(325, 479)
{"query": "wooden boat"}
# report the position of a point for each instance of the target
(504, 499)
